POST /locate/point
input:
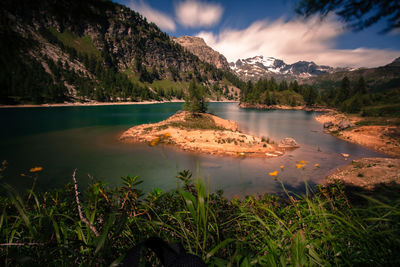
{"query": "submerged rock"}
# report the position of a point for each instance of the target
(288, 142)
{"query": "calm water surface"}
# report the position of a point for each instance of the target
(63, 138)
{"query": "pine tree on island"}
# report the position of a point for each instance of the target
(195, 100)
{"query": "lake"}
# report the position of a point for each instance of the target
(64, 138)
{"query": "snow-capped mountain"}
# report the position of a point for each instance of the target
(259, 67)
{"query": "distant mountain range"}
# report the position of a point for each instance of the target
(259, 67)
(323, 77)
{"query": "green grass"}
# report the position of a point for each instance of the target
(387, 110)
(321, 228)
(81, 44)
(383, 121)
(167, 84)
(197, 121)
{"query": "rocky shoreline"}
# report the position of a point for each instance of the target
(368, 173)
(284, 107)
(365, 172)
(382, 138)
(206, 133)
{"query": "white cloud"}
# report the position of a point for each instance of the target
(291, 41)
(191, 13)
(161, 19)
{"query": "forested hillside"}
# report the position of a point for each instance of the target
(369, 92)
(57, 51)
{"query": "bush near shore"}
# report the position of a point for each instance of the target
(325, 226)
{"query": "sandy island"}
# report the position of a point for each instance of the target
(205, 133)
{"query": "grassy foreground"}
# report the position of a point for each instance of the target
(324, 227)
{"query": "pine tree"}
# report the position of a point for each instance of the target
(361, 87)
(195, 102)
(344, 91)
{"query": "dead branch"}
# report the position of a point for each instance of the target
(83, 219)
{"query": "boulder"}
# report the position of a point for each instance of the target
(288, 142)
(328, 124)
(345, 124)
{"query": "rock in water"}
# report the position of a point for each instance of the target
(288, 142)
(328, 124)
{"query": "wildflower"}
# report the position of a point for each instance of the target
(302, 162)
(36, 169)
(298, 166)
(166, 135)
(316, 165)
(282, 167)
(154, 141)
(23, 174)
(275, 173)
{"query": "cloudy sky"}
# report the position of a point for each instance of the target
(241, 29)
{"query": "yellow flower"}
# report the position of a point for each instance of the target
(36, 169)
(166, 135)
(298, 166)
(302, 161)
(275, 173)
(282, 167)
(154, 141)
(316, 165)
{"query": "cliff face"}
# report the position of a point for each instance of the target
(91, 49)
(205, 53)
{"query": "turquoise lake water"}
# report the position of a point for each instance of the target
(63, 138)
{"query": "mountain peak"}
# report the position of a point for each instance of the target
(189, 40)
(198, 47)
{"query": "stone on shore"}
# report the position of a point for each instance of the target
(345, 124)
(288, 143)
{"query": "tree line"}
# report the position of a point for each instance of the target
(271, 92)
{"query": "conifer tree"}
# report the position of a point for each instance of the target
(195, 101)
(344, 91)
(361, 87)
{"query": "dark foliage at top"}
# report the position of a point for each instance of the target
(357, 14)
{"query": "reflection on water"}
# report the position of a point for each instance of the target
(61, 139)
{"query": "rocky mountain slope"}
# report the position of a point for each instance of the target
(259, 67)
(198, 47)
(57, 51)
